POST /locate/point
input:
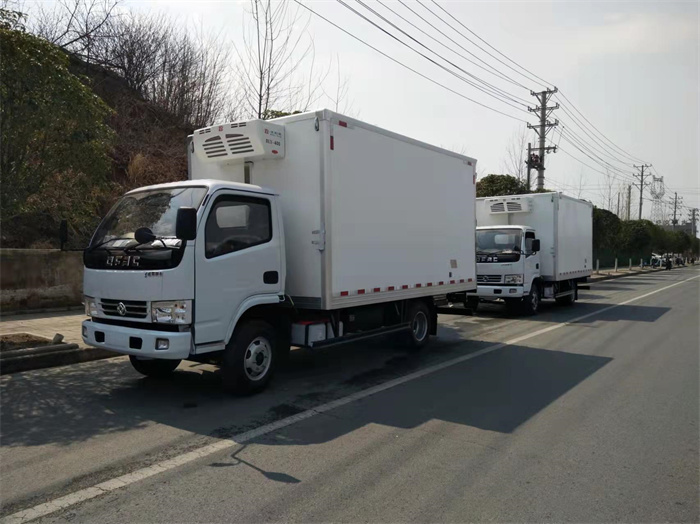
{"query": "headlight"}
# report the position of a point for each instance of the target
(513, 279)
(91, 309)
(172, 312)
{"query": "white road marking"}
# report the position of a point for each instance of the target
(119, 482)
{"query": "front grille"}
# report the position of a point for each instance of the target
(488, 279)
(130, 308)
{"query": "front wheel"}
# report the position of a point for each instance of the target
(472, 303)
(157, 368)
(531, 303)
(250, 358)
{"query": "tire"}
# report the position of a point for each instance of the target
(418, 316)
(156, 368)
(513, 305)
(568, 300)
(472, 303)
(531, 303)
(250, 358)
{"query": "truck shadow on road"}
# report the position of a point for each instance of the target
(497, 391)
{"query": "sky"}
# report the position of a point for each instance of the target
(630, 68)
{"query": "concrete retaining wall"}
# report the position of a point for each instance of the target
(40, 278)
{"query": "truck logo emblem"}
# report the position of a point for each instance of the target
(121, 308)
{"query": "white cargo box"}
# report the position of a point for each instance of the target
(563, 224)
(369, 215)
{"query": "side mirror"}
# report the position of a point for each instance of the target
(186, 223)
(144, 235)
(63, 233)
(536, 245)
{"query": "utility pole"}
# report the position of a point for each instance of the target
(641, 187)
(618, 203)
(629, 200)
(675, 209)
(529, 165)
(693, 218)
(542, 129)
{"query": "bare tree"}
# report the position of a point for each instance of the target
(516, 154)
(338, 96)
(607, 192)
(277, 64)
(579, 186)
(75, 25)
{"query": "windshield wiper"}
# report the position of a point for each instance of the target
(100, 244)
(157, 239)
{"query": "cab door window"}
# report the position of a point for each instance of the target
(235, 223)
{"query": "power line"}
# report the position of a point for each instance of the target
(541, 80)
(632, 157)
(391, 35)
(491, 70)
(398, 62)
(496, 92)
(544, 82)
(595, 144)
(572, 139)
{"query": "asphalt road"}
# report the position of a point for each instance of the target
(594, 420)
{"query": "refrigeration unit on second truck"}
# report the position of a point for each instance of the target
(308, 230)
(531, 247)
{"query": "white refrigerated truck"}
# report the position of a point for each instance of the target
(531, 247)
(308, 230)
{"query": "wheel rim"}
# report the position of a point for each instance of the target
(534, 299)
(420, 326)
(258, 358)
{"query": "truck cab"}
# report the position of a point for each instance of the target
(140, 292)
(507, 262)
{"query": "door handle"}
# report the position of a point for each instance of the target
(271, 277)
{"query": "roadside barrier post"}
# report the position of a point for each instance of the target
(615, 265)
(630, 264)
(597, 266)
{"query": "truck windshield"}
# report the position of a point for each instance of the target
(155, 209)
(491, 241)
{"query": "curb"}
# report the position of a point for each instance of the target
(51, 356)
(594, 279)
(20, 312)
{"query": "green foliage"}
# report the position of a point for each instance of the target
(606, 229)
(53, 126)
(271, 113)
(635, 236)
(635, 239)
(499, 185)
(10, 19)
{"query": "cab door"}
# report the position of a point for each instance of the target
(238, 256)
(532, 261)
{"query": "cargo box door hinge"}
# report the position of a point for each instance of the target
(320, 241)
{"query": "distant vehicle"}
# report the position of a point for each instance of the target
(531, 247)
(353, 232)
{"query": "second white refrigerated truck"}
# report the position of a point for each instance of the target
(531, 247)
(309, 230)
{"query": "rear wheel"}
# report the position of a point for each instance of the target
(250, 358)
(418, 316)
(568, 299)
(531, 303)
(158, 368)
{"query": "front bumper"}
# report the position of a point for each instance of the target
(493, 292)
(125, 340)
